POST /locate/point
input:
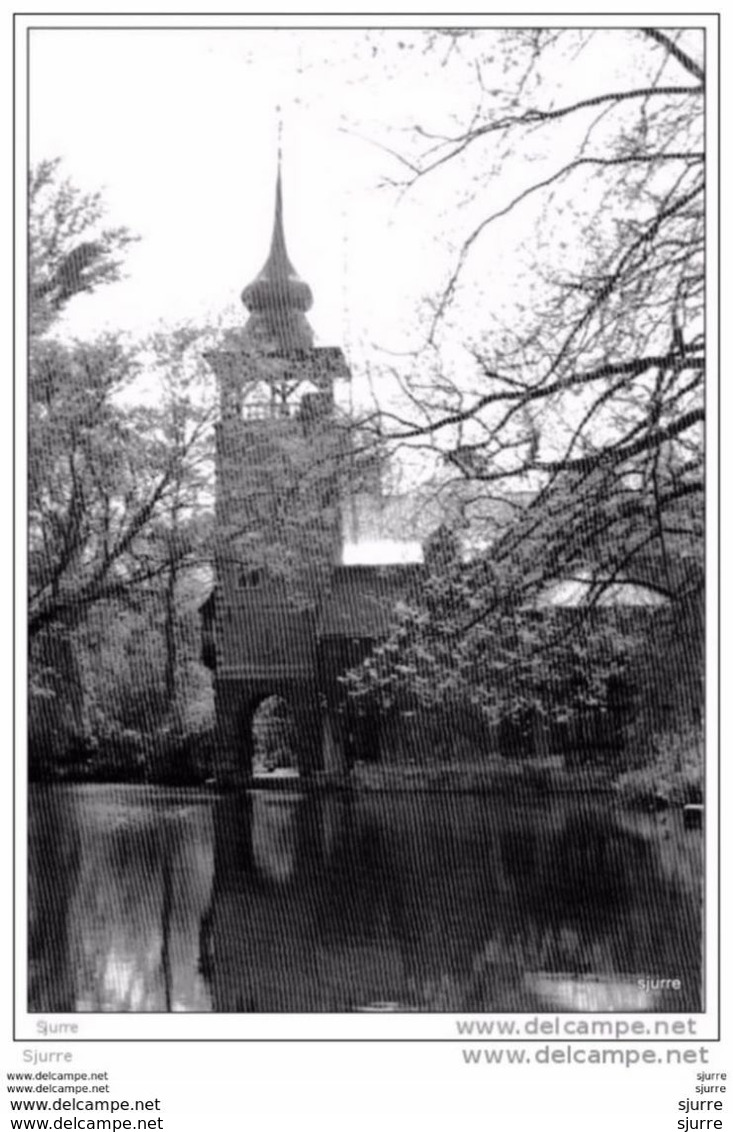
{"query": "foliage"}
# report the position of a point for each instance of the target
(124, 647)
(104, 477)
(104, 468)
(675, 773)
(118, 514)
(513, 780)
(69, 249)
(471, 644)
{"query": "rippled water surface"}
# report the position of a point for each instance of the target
(148, 899)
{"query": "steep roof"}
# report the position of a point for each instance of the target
(362, 599)
(278, 298)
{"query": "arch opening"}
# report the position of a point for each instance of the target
(274, 739)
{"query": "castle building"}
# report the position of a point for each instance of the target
(293, 609)
(286, 616)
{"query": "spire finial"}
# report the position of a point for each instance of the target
(279, 111)
(278, 233)
(278, 297)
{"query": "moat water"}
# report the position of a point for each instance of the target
(154, 899)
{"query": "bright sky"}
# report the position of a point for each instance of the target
(179, 129)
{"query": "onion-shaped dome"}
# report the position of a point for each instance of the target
(278, 298)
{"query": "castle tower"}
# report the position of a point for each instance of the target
(278, 455)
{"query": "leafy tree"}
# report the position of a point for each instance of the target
(103, 467)
(118, 471)
(103, 475)
(69, 249)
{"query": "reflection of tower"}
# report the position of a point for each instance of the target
(299, 920)
(277, 506)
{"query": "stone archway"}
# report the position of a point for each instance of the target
(237, 702)
(274, 740)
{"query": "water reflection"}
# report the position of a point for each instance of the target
(151, 899)
(115, 919)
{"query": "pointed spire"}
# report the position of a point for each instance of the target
(278, 297)
(278, 259)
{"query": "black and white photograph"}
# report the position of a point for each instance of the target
(366, 531)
